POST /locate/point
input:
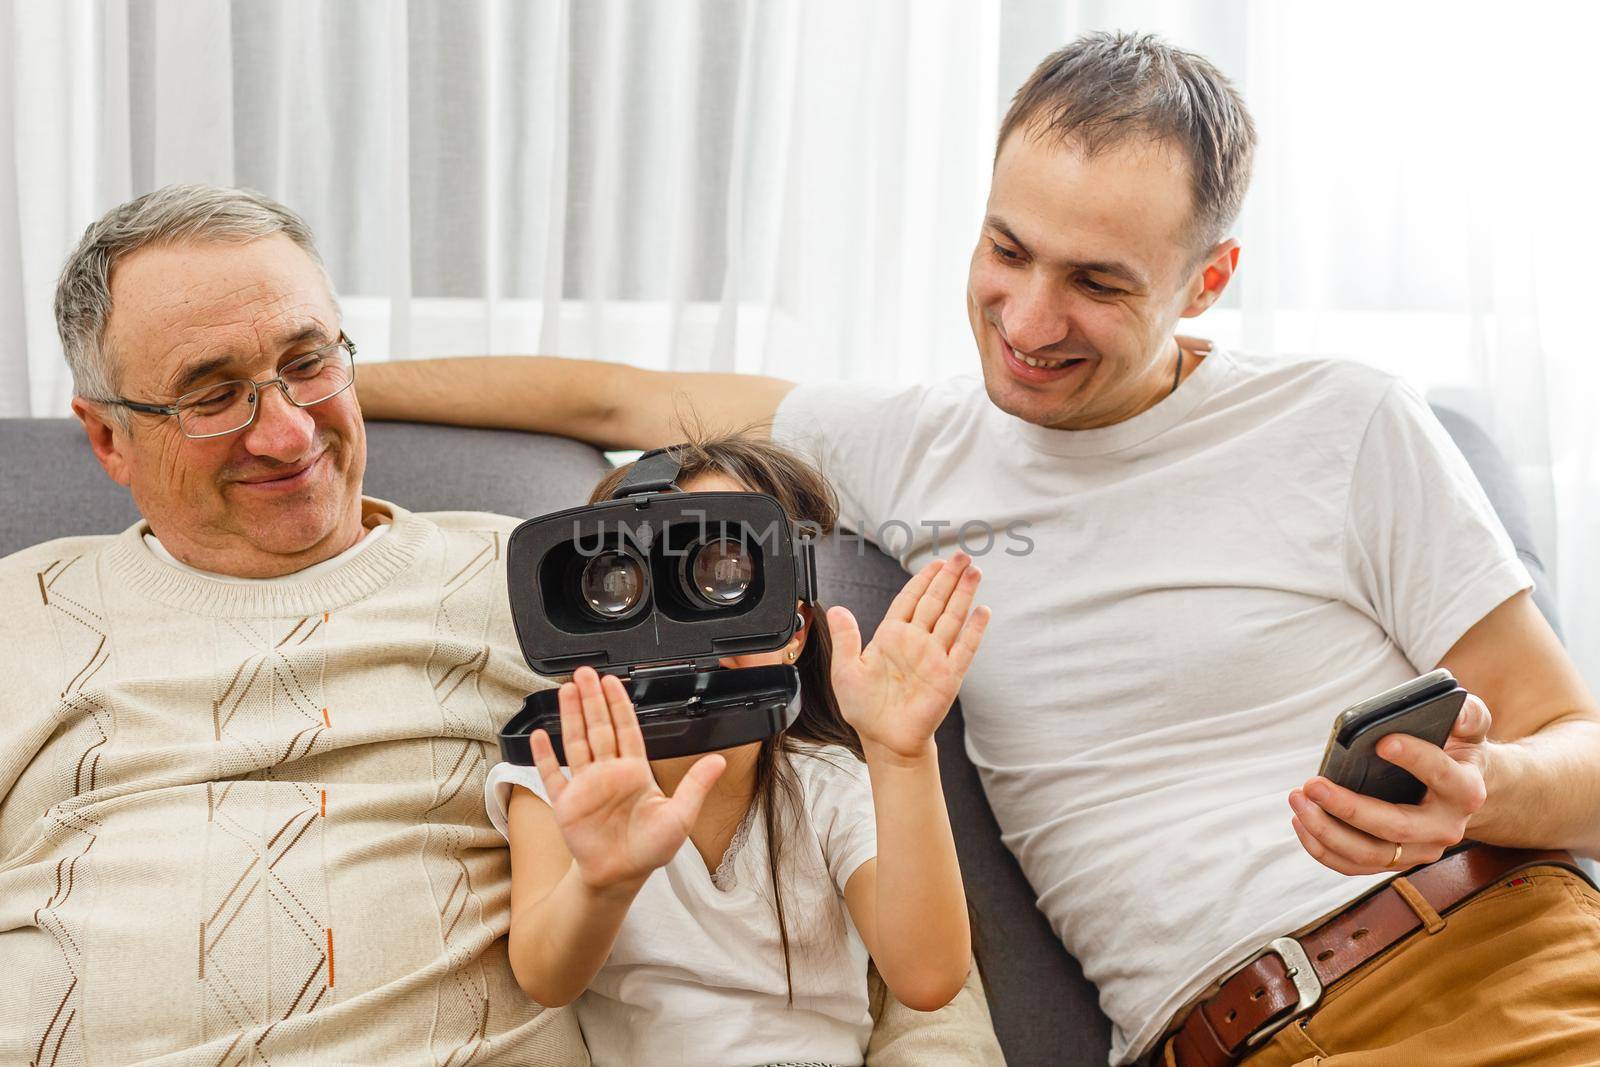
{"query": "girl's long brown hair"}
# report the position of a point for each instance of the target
(763, 467)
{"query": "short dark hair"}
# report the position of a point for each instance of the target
(1104, 89)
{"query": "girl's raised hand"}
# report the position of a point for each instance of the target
(898, 690)
(615, 820)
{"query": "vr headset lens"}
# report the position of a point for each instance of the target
(612, 584)
(720, 573)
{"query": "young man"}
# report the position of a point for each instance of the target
(1225, 551)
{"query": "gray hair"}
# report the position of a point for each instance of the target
(169, 215)
(1106, 88)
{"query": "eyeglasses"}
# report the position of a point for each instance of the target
(227, 407)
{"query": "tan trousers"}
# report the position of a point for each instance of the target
(1512, 978)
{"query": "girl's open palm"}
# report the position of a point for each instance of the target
(897, 690)
(615, 820)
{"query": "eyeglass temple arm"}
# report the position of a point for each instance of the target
(153, 409)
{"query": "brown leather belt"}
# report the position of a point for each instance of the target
(1286, 980)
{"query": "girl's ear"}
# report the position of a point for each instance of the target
(802, 630)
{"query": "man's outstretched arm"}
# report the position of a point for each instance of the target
(611, 405)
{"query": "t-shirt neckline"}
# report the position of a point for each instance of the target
(1169, 412)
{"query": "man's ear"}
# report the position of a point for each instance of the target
(1214, 274)
(109, 442)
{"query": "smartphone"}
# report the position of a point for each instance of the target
(1426, 708)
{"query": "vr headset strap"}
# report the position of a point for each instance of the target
(654, 472)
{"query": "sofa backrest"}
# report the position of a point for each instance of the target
(51, 486)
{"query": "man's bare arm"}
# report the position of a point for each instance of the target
(1543, 768)
(1521, 767)
(611, 405)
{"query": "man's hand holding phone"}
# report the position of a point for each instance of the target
(1356, 834)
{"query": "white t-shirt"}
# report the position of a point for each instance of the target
(696, 975)
(1182, 604)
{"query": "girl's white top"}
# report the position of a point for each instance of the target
(697, 971)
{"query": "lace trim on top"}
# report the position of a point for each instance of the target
(724, 877)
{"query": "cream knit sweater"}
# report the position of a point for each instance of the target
(245, 823)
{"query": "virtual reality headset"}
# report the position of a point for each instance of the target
(656, 586)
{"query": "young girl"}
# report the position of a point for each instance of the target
(720, 909)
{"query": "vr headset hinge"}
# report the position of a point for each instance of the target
(667, 670)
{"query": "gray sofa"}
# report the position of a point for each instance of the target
(1044, 1010)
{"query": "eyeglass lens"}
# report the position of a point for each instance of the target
(228, 406)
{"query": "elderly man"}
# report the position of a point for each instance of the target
(1226, 550)
(242, 744)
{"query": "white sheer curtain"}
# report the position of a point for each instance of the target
(793, 186)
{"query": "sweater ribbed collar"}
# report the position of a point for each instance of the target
(146, 574)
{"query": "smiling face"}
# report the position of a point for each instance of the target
(1083, 268)
(275, 497)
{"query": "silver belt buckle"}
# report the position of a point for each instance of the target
(1306, 985)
